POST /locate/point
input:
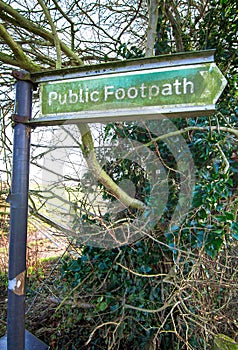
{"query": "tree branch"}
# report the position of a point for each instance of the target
(100, 174)
(152, 26)
(32, 28)
(9, 60)
(55, 35)
(49, 222)
(227, 165)
(176, 25)
(19, 54)
(132, 19)
(95, 24)
(67, 19)
(193, 128)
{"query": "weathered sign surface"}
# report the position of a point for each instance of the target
(142, 93)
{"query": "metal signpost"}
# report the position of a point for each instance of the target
(17, 337)
(179, 85)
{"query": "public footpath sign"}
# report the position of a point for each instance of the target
(148, 92)
(180, 85)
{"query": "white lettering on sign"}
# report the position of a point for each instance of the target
(94, 96)
(153, 91)
(110, 93)
(108, 90)
(52, 97)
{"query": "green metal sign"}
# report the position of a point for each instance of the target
(151, 92)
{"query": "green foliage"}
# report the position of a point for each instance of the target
(3, 279)
(113, 289)
(214, 221)
(162, 44)
(128, 51)
(135, 296)
(223, 342)
(210, 225)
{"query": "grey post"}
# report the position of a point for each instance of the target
(18, 218)
(17, 337)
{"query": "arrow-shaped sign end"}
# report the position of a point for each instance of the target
(219, 82)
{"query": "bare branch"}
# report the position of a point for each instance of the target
(31, 27)
(195, 128)
(54, 32)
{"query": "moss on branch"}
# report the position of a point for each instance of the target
(100, 174)
(19, 54)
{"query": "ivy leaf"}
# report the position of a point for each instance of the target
(234, 230)
(102, 306)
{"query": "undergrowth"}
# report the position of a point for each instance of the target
(134, 298)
